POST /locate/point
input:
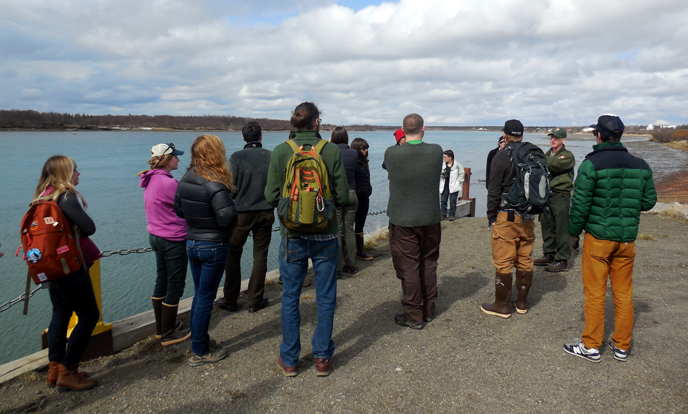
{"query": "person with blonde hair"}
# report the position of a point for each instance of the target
(167, 236)
(204, 200)
(72, 293)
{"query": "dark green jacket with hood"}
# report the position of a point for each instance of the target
(611, 189)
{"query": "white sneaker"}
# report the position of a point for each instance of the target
(578, 349)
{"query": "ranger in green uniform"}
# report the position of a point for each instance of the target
(555, 235)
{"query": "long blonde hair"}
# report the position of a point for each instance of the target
(209, 159)
(158, 163)
(57, 173)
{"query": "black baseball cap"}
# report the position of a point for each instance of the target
(607, 123)
(513, 127)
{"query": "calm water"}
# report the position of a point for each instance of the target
(108, 162)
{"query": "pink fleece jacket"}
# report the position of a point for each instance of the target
(158, 198)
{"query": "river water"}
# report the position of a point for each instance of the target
(109, 161)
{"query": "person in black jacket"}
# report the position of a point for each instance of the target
(363, 190)
(500, 145)
(73, 292)
(204, 200)
(346, 214)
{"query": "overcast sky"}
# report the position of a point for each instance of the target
(455, 62)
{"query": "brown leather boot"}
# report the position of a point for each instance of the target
(360, 248)
(70, 379)
(54, 371)
(171, 335)
(500, 307)
(524, 280)
(547, 258)
(157, 311)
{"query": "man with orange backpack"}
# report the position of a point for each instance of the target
(306, 195)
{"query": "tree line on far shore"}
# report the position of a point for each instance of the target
(30, 119)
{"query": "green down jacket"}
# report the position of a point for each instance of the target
(611, 189)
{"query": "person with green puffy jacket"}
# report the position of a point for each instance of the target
(611, 190)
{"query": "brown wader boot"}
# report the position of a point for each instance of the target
(524, 280)
(54, 371)
(500, 307)
(170, 334)
(360, 248)
(70, 379)
(157, 311)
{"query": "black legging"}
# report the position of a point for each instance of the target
(361, 214)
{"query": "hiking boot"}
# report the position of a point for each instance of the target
(544, 260)
(360, 248)
(500, 307)
(287, 370)
(54, 372)
(70, 379)
(349, 269)
(557, 266)
(261, 305)
(619, 354)
(210, 357)
(322, 367)
(400, 319)
(452, 218)
(427, 319)
(229, 307)
(578, 349)
(443, 217)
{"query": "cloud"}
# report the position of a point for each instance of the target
(465, 62)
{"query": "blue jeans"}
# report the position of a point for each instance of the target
(293, 265)
(452, 203)
(207, 261)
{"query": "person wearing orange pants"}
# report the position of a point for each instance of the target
(611, 190)
(602, 258)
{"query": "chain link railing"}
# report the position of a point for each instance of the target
(122, 252)
(105, 253)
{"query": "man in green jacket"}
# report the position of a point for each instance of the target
(555, 221)
(299, 246)
(611, 190)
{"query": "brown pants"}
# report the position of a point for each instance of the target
(415, 251)
(260, 224)
(602, 259)
(512, 243)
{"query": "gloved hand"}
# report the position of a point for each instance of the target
(574, 242)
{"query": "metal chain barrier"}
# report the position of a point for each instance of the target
(122, 252)
(11, 303)
(104, 253)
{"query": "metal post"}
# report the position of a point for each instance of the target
(465, 193)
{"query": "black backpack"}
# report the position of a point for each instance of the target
(530, 191)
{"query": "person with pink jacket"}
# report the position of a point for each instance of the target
(167, 235)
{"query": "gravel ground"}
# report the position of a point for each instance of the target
(463, 361)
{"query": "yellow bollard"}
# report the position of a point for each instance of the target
(94, 271)
(101, 338)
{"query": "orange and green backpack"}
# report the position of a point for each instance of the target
(306, 205)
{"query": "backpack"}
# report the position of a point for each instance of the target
(306, 204)
(530, 191)
(50, 249)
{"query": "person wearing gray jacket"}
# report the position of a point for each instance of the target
(249, 168)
